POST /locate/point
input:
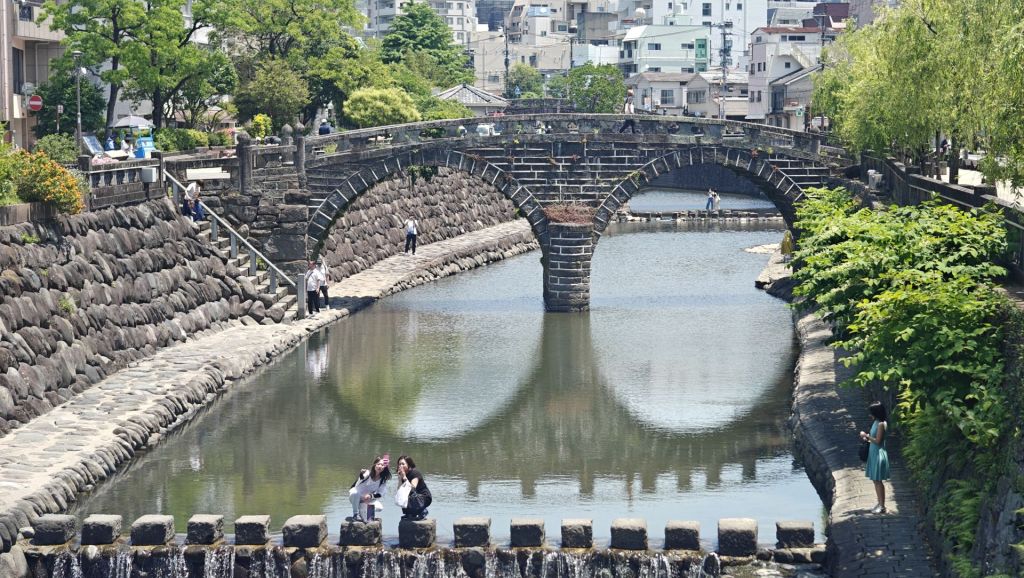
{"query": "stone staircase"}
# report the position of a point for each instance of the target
(279, 296)
(804, 173)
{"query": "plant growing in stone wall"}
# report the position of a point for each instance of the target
(569, 213)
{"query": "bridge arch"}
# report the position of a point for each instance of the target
(351, 187)
(761, 168)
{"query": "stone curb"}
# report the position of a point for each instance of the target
(198, 387)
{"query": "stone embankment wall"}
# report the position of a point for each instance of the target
(446, 205)
(82, 296)
(152, 549)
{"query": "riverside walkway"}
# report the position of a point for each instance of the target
(46, 463)
(827, 419)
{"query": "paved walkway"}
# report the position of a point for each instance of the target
(826, 420)
(45, 463)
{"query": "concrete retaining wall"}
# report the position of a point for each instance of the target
(82, 296)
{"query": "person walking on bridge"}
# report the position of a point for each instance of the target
(411, 232)
(627, 108)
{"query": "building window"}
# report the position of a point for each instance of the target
(25, 13)
(687, 46)
(787, 65)
(18, 72)
(706, 23)
(739, 6)
(696, 97)
(727, 4)
(669, 5)
(705, 9)
(668, 97)
(493, 78)
(797, 38)
(653, 46)
(458, 35)
(543, 32)
(759, 96)
(653, 69)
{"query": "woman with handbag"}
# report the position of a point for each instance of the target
(418, 494)
(877, 465)
(370, 486)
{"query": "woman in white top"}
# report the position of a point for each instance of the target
(369, 488)
(326, 274)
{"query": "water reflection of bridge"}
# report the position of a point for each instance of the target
(564, 421)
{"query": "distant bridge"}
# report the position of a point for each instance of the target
(545, 160)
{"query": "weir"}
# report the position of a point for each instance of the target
(53, 550)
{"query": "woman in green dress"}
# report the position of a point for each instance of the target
(877, 466)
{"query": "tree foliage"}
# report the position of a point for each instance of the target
(592, 88)
(277, 91)
(60, 90)
(369, 107)
(527, 78)
(927, 66)
(421, 40)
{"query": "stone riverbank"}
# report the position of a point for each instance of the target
(825, 422)
(46, 463)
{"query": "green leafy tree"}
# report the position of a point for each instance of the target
(202, 92)
(277, 90)
(105, 31)
(369, 107)
(527, 78)
(422, 40)
(433, 108)
(594, 88)
(60, 90)
(59, 147)
(348, 67)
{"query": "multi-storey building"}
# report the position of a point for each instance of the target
(459, 15)
(679, 48)
(713, 94)
(779, 53)
(28, 48)
(660, 92)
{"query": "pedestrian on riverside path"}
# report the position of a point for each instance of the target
(326, 274)
(369, 488)
(411, 232)
(192, 192)
(627, 108)
(711, 200)
(312, 280)
(877, 466)
(419, 496)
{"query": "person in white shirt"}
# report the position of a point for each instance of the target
(126, 146)
(192, 198)
(313, 278)
(326, 274)
(370, 486)
(411, 232)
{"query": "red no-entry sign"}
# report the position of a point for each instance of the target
(35, 103)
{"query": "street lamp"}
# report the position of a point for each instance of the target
(77, 55)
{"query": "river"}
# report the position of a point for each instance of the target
(667, 401)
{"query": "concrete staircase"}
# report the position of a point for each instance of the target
(804, 173)
(280, 296)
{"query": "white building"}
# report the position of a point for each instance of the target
(710, 94)
(791, 99)
(737, 19)
(660, 92)
(459, 15)
(778, 52)
(679, 48)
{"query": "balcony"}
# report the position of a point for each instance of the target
(26, 28)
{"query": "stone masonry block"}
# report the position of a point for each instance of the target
(472, 532)
(527, 532)
(100, 529)
(577, 533)
(680, 535)
(205, 529)
(305, 531)
(54, 529)
(629, 534)
(152, 530)
(417, 533)
(794, 534)
(737, 537)
(252, 530)
(360, 533)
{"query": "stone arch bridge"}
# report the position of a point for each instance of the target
(540, 162)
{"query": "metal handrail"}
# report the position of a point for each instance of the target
(254, 254)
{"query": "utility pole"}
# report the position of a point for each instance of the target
(507, 93)
(77, 55)
(724, 61)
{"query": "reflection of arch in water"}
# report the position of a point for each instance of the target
(576, 427)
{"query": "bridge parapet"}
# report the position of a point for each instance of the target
(485, 130)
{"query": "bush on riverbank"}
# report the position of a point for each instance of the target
(912, 295)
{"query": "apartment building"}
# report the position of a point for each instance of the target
(459, 15)
(28, 49)
(678, 49)
(777, 52)
(714, 95)
(660, 92)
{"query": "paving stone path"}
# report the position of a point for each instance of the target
(45, 463)
(826, 421)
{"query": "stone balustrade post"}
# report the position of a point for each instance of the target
(567, 257)
(286, 140)
(244, 152)
(300, 153)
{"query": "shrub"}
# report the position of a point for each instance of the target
(180, 139)
(67, 305)
(29, 239)
(39, 178)
(565, 213)
(59, 147)
(260, 126)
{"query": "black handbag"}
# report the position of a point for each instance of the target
(862, 451)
